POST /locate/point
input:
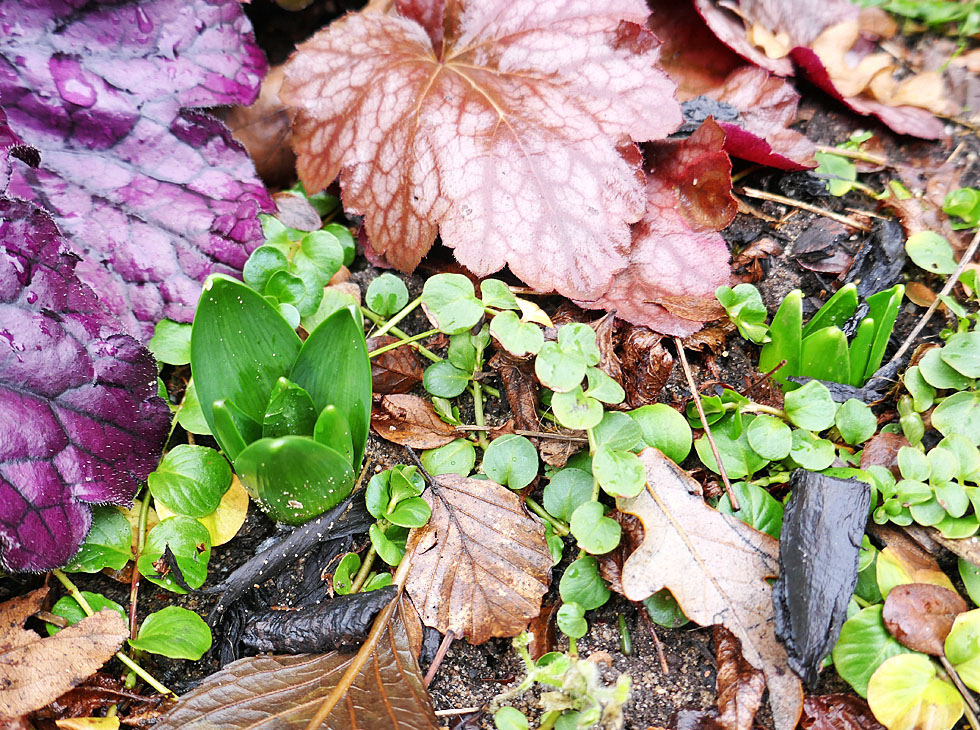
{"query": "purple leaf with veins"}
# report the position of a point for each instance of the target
(154, 197)
(80, 421)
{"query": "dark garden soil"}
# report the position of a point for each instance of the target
(471, 675)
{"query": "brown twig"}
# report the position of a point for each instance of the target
(947, 288)
(447, 641)
(534, 434)
(763, 195)
(457, 711)
(656, 642)
(855, 155)
(704, 423)
(762, 378)
(968, 698)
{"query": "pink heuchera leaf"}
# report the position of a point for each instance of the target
(700, 64)
(513, 138)
(80, 421)
(153, 196)
(678, 258)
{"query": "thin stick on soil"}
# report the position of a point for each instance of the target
(763, 195)
(704, 424)
(762, 378)
(854, 155)
(656, 642)
(457, 711)
(947, 288)
(534, 434)
(447, 641)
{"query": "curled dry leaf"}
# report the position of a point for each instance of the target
(34, 670)
(512, 136)
(481, 565)
(410, 421)
(689, 199)
(646, 366)
(701, 65)
(838, 712)
(920, 615)
(882, 450)
(395, 371)
(907, 561)
(716, 567)
(96, 695)
(818, 565)
(377, 688)
(740, 685)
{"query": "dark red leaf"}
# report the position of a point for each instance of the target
(920, 615)
(395, 371)
(838, 712)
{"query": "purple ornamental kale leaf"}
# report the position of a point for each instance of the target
(80, 421)
(154, 197)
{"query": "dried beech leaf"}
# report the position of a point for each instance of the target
(513, 137)
(270, 692)
(920, 615)
(394, 371)
(34, 670)
(153, 195)
(740, 685)
(411, 421)
(95, 695)
(481, 565)
(838, 712)
(716, 567)
(678, 258)
(646, 366)
(882, 450)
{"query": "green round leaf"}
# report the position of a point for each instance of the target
(967, 456)
(959, 414)
(451, 303)
(576, 410)
(943, 465)
(444, 379)
(906, 692)
(745, 309)
(173, 632)
(855, 421)
(108, 544)
(345, 572)
(189, 541)
(603, 388)
(497, 294)
(191, 480)
(664, 610)
(863, 645)
(462, 351)
(344, 238)
(958, 528)
(557, 369)
(940, 375)
(412, 512)
(758, 508)
(294, 478)
(190, 415)
(509, 718)
(386, 549)
(811, 452)
(511, 460)
(619, 432)
(261, 265)
(456, 457)
(970, 574)
(962, 353)
(769, 437)
(963, 648)
(286, 288)
(391, 486)
(70, 610)
(579, 340)
(930, 251)
(171, 342)
(567, 489)
(386, 295)
(739, 458)
(518, 338)
(582, 584)
(594, 532)
(811, 407)
(922, 393)
(571, 620)
(619, 473)
(319, 257)
(952, 497)
(665, 429)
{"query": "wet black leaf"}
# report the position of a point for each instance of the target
(818, 556)
(322, 627)
(878, 265)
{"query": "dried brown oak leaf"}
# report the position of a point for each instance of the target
(34, 670)
(716, 567)
(395, 371)
(690, 199)
(920, 615)
(513, 137)
(379, 687)
(410, 421)
(740, 685)
(481, 566)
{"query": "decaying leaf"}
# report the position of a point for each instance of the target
(740, 685)
(689, 192)
(395, 371)
(34, 670)
(520, 388)
(902, 560)
(512, 137)
(838, 712)
(96, 695)
(378, 687)
(883, 450)
(818, 565)
(410, 421)
(646, 365)
(481, 565)
(920, 615)
(716, 567)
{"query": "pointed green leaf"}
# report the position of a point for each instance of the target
(859, 351)
(290, 412)
(233, 429)
(825, 355)
(785, 332)
(332, 430)
(837, 310)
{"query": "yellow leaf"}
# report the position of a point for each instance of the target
(531, 312)
(88, 723)
(224, 522)
(906, 693)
